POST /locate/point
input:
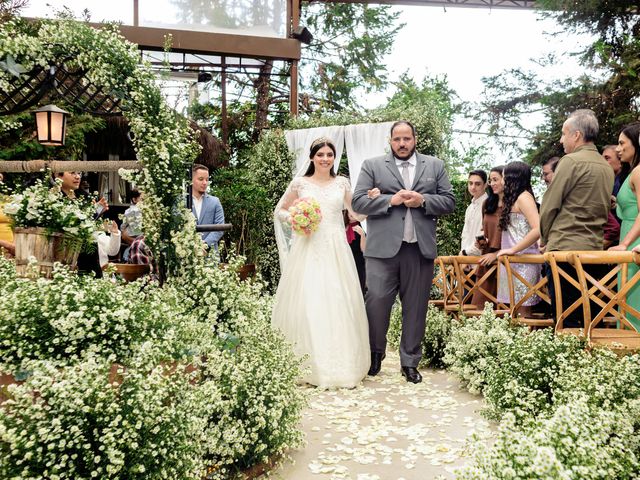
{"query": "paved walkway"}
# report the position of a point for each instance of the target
(388, 429)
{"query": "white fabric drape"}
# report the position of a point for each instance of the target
(365, 140)
(299, 142)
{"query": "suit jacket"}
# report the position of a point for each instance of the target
(385, 223)
(210, 214)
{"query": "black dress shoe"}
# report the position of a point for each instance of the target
(376, 363)
(411, 374)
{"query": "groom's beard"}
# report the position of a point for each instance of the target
(403, 155)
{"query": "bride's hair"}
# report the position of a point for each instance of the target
(315, 146)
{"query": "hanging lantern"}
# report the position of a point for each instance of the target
(51, 124)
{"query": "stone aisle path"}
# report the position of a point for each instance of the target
(388, 429)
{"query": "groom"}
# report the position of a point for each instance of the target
(401, 244)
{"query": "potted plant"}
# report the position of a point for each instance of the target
(49, 227)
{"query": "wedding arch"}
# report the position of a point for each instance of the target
(164, 144)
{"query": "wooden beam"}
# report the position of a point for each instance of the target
(21, 166)
(522, 4)
(209, 43)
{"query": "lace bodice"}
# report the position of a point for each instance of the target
(331, 198)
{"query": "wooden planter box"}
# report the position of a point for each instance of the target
(46, 248)
(131, 272)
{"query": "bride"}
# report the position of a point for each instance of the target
(318, 304)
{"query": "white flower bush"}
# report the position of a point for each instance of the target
(45, 207)
(577, 442)
(201, 347)
(472, 349)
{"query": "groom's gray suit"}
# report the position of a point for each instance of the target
(395, 266)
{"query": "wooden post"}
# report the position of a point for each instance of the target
(293, 94)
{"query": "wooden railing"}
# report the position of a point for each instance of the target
(602, 281)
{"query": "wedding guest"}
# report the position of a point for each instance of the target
(490, 244)
(131, 222)
(70, 188)
(476, 186)
(628, 150)
(108, 245)
(206, 208)
(520, 226)
(575, 207)
(620, 169)
(140, 254)
(548, 169)
(357, 242)
(6, 232)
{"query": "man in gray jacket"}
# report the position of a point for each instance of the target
(401, 242)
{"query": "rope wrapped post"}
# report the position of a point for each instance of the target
(32, 166)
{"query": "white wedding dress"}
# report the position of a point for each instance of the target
(319, 305)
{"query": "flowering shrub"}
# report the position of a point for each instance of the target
(577, 441)
(80, 424)
(526, 373)
(305, 216)
(41, 206)
(473, 347)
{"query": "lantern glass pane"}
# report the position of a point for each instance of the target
(42, 126)
(57, 120)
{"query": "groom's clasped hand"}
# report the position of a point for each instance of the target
(409, 198)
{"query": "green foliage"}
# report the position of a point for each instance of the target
(246, 207)
(609, 86)
(344, 57)
(449, 227)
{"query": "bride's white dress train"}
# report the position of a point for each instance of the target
(319, 305)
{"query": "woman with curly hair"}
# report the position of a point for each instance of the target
(520, 226)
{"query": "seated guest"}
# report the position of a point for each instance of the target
(108, 245)
(206, 208)
(132, 222)
(139, 253)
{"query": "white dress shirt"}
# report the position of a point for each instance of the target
(472, 226)
(197, 205)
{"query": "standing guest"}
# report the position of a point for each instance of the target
(492, 235)
(620, 169)
(628, 150)
(520, 226)
(476, 186)
(206, 208)
(548, 169)
(576, 205)
(6, 232)
(401, 242)
(357, 240)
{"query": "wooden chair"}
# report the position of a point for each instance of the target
(610, 295)
(558, 262)
(540, 288)
(450, 292)
(468, 283)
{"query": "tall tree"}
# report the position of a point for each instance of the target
(610, 85)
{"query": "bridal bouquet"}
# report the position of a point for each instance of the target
(305, 216)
